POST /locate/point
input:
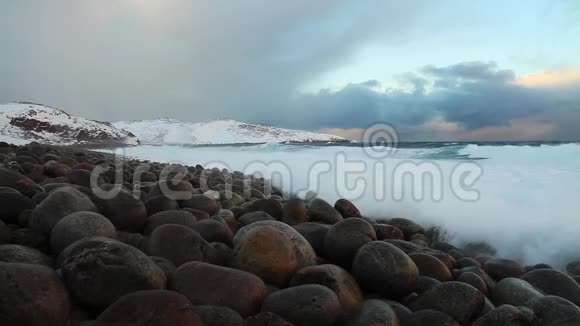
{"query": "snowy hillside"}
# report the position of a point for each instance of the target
(23, 122)
(169, 131)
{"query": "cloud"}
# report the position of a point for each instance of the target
(554, 77)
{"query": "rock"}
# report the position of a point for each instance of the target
(385, 269)
(202, 203)
(335, 278)
(343, 240)
(432, 317)
(165, 265)
(386, 232)
(294, 211)
(503, 268)
(126, 212)
(272, 250)
(206, 284)
(214, 231)
(5, 235)
(459, 300)
(78, 226)
(515, 292)
(135, 240)
(219, 316)
(266, 319)
(374, 312)
(13, 203)
(346, 208)
(59, 203)
(314, 233)
(152, 308)
(321, 211)
(98, 271)
(160, 204)
(412, 248)
(13, 253)
(467, 262)
(505, 315)
(29, 238)
(431, 267)
(474, 280)
(253, 217)
(222, 255)
(407, 226)
(179, 244)
(549, 309)
(573, 268)
(32, 295)
(179, 217)
(425, 283)
(174, 189)
(304, 305)
(18, 182)
(270, 206)
(553, 282)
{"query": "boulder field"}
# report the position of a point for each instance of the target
(83, 242)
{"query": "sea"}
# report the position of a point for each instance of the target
(522, 198)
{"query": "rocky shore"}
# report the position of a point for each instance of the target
(192, 246)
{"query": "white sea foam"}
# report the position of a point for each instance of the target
(529, 205)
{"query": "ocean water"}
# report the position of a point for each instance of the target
(522, 198)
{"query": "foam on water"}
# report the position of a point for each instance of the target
(529, 196)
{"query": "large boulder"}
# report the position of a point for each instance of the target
(253, 217)
(374, 312)
(272, 250)
(32, 295)
(431, 267)
(549, 309)
(305, 305)
(206, 284)
(202, 203)
(160, 203)
(321, 211)
(180, 217)
(343, 240)
(179, 244)
(346, 208)
(78, 226)
(270, 206)
(461, 301)
(407, 226)
(219, 316)
(335, 278)
(152, 308)
(13, 203)
(59, 203)
(505, 315)
(430, 317)
(98, 271)
(125, 211)
(13, 253)
(214, 231)
(388, 232)
(5, 235)
(314, 233)
(503, 268)
(294, 211)
(554, 282)
(515, 292)
(384, 269)
(266, 319)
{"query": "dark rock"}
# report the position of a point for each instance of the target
(346, 208)
(174, 189)
(374, 312)
(573, 268)
(179, 244)
(505, 315)
(135, 240)
(98, 271)
(266, 319)
(553, 282)
(29, 238)
(294, 211)
(219, 316)
(214, 231)
(467, 262)
(253, 217)
(412, 248)
(503, 268)
(459, 300)
(335, 278)
(432, 317)
(78, 226)
(18, 182)
(431, 267)
(222, 255)
(13, 253)
(32, 295)
(549, 309)
(343, 240)
(425, 283)
(407, 226)
(202, 203)
(314, 233)
(386, 232)
(515, 292)
(179, 217)
(152, 308)
(125, 211)
(537, 266)
(474, 280)
(270, 206)
(160, 204)
(206, 284)
(272, 250)
(167, 266)
(5, 235)
(321, 211)
(59, 203)
(13, 203)
(304, 305)
(384, 269)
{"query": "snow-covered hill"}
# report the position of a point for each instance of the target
(23, 122)
(169, 131)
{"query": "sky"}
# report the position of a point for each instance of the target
(434, 70)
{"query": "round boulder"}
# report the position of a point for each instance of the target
(515, 292)
(343, 240)
(431, 267)
(202, 203)
(385, 269)
(321, 211)
(206, 284)
(270, 206)
(314, 233)
(219, 316)
(294, 211)
(550, 308)
(125, 211)
(32, 295)
(505, 315)
(553, 282)
(179, 244)
(13, 253)
(214, 231)
(305, 305)
(388, 232)
(266, 319)
(98, 271)
(253, 217)
(374, 312)
(502, 268)
(13, 203)
(152, 308)
(346, 208)
(160, 204)
(179, 217)
(78, 226)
